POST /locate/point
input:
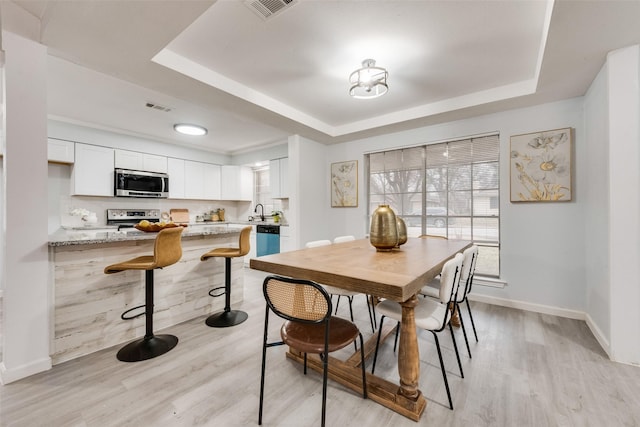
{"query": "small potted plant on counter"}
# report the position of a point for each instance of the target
(276, 216)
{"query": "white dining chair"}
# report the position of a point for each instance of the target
(430, 315)
(341, 239)
(332, 290)
(466, 278)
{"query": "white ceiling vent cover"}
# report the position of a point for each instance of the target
(266, 9)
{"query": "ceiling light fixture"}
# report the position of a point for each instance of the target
(188, 129)
(369, 81)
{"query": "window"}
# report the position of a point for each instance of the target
(262, 188)
(449, 189)
(262, 191)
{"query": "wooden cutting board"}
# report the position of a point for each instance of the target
(180, 216)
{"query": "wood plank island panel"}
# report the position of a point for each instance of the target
(87, 304)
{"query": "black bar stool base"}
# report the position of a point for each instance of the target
(226, 318)
(147, 348)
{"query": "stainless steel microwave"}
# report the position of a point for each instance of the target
(130, 183)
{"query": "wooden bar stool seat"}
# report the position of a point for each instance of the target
(167, 251)
(228, 317)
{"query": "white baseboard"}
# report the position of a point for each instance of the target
(600, 337)
(528, 306)
(9, 376)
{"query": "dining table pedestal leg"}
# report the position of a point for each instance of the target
(408, 352)
(406, 398)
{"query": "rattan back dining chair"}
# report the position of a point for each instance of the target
(309, 327)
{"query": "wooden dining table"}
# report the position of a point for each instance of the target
(397, 275)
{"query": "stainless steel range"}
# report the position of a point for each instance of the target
(127, 218)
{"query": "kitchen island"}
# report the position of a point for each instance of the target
(86, 304)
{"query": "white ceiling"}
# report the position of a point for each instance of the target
(252, 82)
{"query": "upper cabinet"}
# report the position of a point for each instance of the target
(92, 172)
(236, 183)
(60, 151)
(175, 168)
(133, 160)
(201, 181)
(279, 178)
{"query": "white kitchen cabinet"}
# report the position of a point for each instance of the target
(279, 178)
(211, 182)
(92, 172)
(193, 180)
(125, 159)
(154, 163)
(285, 239)
(175, 168)
(60, 151)
(236, 183)
(201, 181)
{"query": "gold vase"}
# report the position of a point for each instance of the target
(402, 231)
(384, 229)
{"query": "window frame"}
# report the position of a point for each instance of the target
(489, 188)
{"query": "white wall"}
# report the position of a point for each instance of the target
(624, 181)
(26, 296)
(276, 151)
(542, 244)
(596, 118)
(309, 190)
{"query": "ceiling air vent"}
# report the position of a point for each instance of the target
(266, 9)
(158, 107)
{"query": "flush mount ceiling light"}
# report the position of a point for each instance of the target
(188, 129)
(369, 81)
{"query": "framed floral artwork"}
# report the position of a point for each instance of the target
(344, 184)
(541, 166)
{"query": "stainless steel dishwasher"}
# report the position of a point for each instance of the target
(267, 239)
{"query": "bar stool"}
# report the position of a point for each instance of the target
(167, 251)
(228, 317)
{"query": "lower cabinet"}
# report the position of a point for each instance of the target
(285, 239)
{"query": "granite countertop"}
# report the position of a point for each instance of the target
(66, 237)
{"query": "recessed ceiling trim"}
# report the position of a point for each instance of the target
(196, 71)
(446, 105)
(179, 63)
(543, 39)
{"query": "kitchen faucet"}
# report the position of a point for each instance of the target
(261, 211)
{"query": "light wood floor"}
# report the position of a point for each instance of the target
(527, 370)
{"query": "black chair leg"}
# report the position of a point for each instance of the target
(455, 347)
(227, 317)
(372, 314)
(325, 366)
(395, 342)
(264, 361)
(471, 317)
(375, 354)
(464, 331)
(364, 372)
(444, 373)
